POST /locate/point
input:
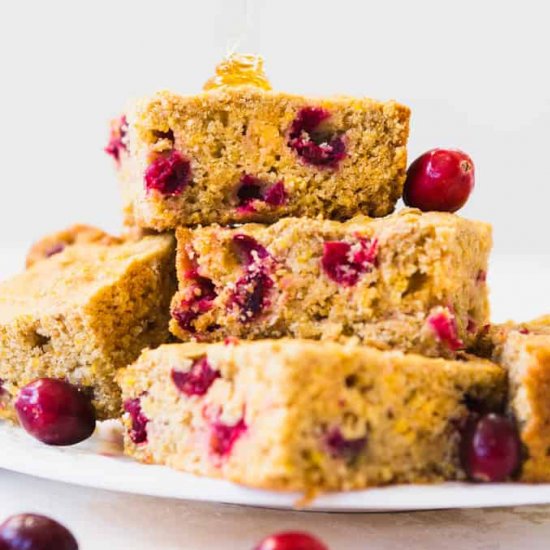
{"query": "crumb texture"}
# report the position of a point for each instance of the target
(302, 415)
(85, 312)
(335, 158)
(524, 350)
(409, 281)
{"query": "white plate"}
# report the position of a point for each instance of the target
(83, 465)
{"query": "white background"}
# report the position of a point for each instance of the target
(476, 74)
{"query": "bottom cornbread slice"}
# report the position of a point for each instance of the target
(303, 415)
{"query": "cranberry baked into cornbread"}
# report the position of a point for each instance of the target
(303, 415)
(55, 243)
(409, 281)
(240, 152)
(83, 313)
(524, 350)
(76, 234)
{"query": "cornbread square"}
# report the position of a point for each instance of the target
(85, 312)
(303, 415)
(524, 350)
(241, 154)
(76, 234)
(56, 242)
(410, 281)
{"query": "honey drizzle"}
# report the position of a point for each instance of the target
(239, 70)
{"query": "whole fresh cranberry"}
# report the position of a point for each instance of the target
(168, 174)
(35, 532)
(291, 541)
(440, 179)
(490, 449)
(55, 412)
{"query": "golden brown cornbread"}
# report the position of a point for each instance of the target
(75, 234)
(420, 284)
(303, 415)
(56, 242)
(231, 132)
(524, 350)
(85, 312)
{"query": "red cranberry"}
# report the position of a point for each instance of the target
(34, 532)
(276, 194)
(481, 276)
(117, 139)
(252, 189)
(345, 262)
(340, 447)
(490, 449)
(224, 437)
(168, 174)
(4, 396)
(249, 249)
(291, 541)
(138, 430)
(251, 294)
(441, 179)
(55, 412)
(197, 380)
(314, 144)
(55, 249)
(199, 299)
(252, 289)
(443, 323)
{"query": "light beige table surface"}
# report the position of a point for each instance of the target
(113, 521)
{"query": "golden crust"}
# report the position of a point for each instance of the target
(75, 234)
(85, 312)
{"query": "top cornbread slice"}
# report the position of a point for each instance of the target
(85, 312)
(237, 143)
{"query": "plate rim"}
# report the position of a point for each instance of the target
(24, 455)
